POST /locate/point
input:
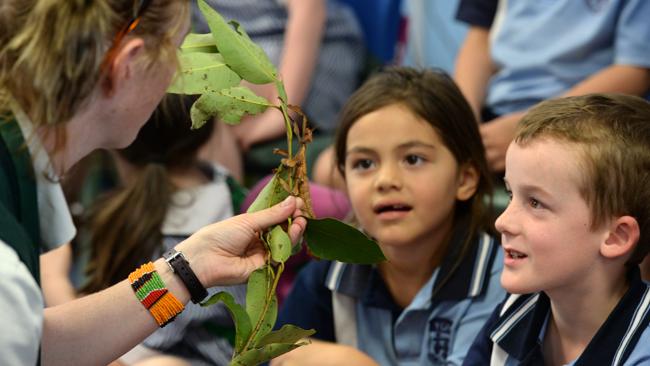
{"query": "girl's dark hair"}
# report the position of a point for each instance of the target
(125, 225)
(433, 96)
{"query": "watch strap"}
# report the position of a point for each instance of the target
(180, 266)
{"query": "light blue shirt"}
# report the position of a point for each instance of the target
(434, 34)
(544, 47)
(431, 330)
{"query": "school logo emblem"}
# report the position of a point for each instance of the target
(439, 338)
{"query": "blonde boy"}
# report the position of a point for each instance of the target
(573, 234)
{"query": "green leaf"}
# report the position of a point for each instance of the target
(240, 53)
(243, 325)
(287, 334)
(195, 42)
(201, 73)
(229, 104)
(259, 284)
(271, 194)
(280, 244)
(334, 240)
(257, 356)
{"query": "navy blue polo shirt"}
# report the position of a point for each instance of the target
(624, 338)
(436, 328)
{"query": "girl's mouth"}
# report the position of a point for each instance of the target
(392, 212)
(392, 208)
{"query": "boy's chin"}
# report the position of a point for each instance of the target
(514, 285)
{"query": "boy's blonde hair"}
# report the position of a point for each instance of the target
(612, 133)
(51, 51)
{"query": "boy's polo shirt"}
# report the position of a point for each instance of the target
(435, 329)
(624, 338)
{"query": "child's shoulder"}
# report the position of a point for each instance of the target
(475, 273)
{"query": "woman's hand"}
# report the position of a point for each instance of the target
(227, 252)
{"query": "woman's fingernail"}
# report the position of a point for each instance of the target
(287, 201)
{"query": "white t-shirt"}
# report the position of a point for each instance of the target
(21, 300)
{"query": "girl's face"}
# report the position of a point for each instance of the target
(402, 180)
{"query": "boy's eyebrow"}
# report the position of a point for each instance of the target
(531, 188)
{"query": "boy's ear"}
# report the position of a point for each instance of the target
(468, 179)
(123, 64)
(622, 237)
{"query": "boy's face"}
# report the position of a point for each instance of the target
(546, 235)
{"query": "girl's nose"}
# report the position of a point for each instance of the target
(388, 177)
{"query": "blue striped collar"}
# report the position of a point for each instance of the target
(517, 331)
(469, 280)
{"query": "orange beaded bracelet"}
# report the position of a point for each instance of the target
(153, 295)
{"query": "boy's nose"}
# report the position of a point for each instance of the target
(504, 223)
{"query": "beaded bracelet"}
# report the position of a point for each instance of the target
(153, 295)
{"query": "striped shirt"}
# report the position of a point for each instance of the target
(514, 334)
(350, 304)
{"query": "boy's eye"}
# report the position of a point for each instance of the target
(362, 164)
(413, 159)
(534, 203)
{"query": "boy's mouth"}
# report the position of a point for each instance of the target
(511, 253)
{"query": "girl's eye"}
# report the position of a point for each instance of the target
(413, 159)
(362, 164)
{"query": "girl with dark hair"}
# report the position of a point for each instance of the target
(411, 156)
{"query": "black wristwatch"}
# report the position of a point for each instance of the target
(181, 267)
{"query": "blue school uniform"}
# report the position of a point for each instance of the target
(543, 48)
(518, 332)
(351, 304)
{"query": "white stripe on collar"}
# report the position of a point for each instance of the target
(335, 272)
(639, 314)
(505, 327)
(478, 277)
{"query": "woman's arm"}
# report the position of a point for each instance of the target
(55, 278)
(97, 329)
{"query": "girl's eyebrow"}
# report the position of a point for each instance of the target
(416, 143)
(359, 150)
(403, 146)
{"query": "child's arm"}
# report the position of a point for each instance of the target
(302, 41)
(474, 67)
(55, 280)
(320, 353)
(626, 79)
